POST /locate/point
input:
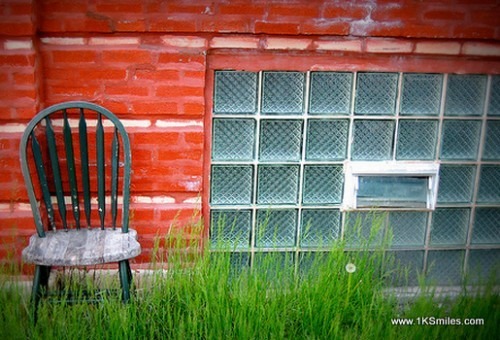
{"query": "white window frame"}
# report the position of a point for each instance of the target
(353, 170)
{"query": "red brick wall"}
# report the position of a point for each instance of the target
(151, 62)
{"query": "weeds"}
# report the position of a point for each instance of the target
(217, 295)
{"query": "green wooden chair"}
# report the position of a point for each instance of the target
(63, 180)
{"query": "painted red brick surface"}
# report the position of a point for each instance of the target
(152, 62)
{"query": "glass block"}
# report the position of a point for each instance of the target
(449, 226)
(421, 94)
(489, 184)
(408, 228)
(238, 262)
(376, 93)
(330, 93)
(283, 93)
(280, 140)
(233, 139)
(235, 92)
(460, 139)
(323, 184)
(486, 229)
(407, 266)
(365, 229)
(319, 227)
(456, 183)
(484, 265)
(494, 103)
(231, 184)
(277, 184)
(276, 228)
(326, 139)
(373, 139)
(276, 268)
(492, 142)
(465, 95)
(417, 139)
(230, 229)
(445, 267)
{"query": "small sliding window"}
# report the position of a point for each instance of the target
(405, 185)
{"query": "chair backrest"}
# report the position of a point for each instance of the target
(70, 178)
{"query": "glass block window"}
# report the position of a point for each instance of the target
(282, 143)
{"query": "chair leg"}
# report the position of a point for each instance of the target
(40, 286)
(125, 279)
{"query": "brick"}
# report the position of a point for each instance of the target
(397, 12)
(253, 9)
(63, 41)
(287, 43)
(16, 26)
(111, 41)
(474, 32)
(276, 27)
(485, 17)
(126, 90)
(444, 14)
(82, 56)
(151, 107)
(18, 45)
(193, 109)
(375, 45)
(127, 56)
(17, 60)
(126, 7)
(184, 41)
(339, 45)
(278, 11)
(350, 11)
(172, 25)
(325, 27)
(179, 91)
(438, 47)
(185, 123)
(482, 49)
(234, 42)
(158, 75)
(135, 25)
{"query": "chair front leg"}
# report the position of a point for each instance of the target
(125, 279)
(40, 287)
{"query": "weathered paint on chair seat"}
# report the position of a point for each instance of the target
(82, 247)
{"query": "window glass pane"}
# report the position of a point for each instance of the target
(460, 139)
(283, 93)
(376, 93)
(449, 226)
(330, 93)
(280, 140)
(326, 139)
(456, 183)
(373, 139)
(235, 92)
(277, 184)
(486, 226)
(323, 184)
(492, 142)
(230, 229)
(232, 184)
(320, 227)
(417, 139)
(276, 228)
(421, 94)
(407, 266)
(233, 139)
(465, 95)
(381, 191)
(445, 267)
(494, 105)
(483, 263)
(489, 184)
(408, 228)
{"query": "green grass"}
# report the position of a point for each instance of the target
(202, 296)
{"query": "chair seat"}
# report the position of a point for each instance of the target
(81, 247)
